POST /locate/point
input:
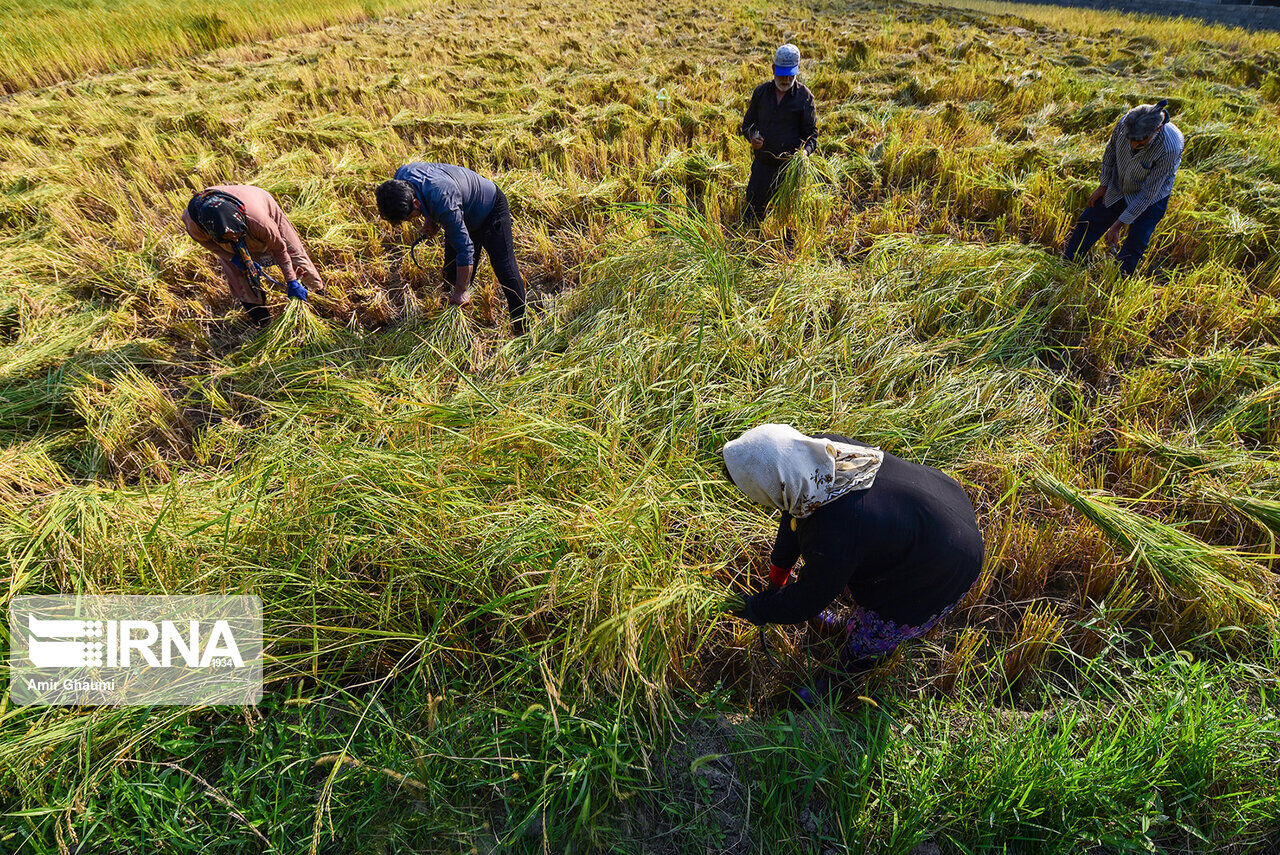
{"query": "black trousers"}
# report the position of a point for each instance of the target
(761, 186)
(494, 237)
(763, 183)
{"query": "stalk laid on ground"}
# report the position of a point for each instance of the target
(1220, 584)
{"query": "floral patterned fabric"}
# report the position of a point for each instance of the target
(868, 636)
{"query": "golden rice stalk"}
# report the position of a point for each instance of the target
(1040, 629)
(134, 423)
(27, 471)
(295, 330)
(962, 660)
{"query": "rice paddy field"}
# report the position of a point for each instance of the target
(493, 570)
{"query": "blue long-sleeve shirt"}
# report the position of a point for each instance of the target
(1141, 177)
(455, 197)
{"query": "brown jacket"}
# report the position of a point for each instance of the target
(271, 238)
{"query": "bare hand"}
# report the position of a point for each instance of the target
(1112, 237)
(757, 141)
(459, 298)
(1097, 196)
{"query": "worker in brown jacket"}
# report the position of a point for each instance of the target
(246, 228)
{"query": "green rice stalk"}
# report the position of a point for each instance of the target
(1040, 629)
(1220, 585)
(1265, 512)
(804, 198)
(1204, 457)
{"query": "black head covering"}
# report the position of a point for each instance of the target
(221, 215)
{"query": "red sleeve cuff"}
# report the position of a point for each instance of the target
(778, 576)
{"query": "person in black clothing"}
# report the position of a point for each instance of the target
(781, 119)
(475, 216)
(902, 538)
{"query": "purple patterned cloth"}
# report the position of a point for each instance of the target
(868, 636)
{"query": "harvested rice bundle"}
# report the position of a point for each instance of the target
(1219, 584)
(805, 196)
(134, 423)
(297, 329)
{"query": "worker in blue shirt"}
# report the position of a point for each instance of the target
(474, 215)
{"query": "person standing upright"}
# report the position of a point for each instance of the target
(780, 120)
(1138, 169)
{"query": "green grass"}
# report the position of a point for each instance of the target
(492, 569)
(49, 41)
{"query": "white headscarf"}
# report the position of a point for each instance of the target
(779, 467)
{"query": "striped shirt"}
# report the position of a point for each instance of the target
(1143, 177)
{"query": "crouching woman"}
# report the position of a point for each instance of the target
(902, 538)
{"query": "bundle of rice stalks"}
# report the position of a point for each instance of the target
(697, 171)
(26, 471)
(1204, 458)
(296, 330)
(453, 338)
(654, 627)
(1185, 456)
(805, 196)
(1217, 584)
(1257, 366)
(1265, 512)
(136, 426)
(52, 346)
(1040, 629)
(1255, 417)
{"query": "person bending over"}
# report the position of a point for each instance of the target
(244, 227)
(475, 216)
(900, 537)
(1138, 169)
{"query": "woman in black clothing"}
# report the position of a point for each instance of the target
(901, 537)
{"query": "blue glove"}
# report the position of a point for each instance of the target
(295, 290)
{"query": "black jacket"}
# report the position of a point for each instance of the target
(785, 125)
(906, 548)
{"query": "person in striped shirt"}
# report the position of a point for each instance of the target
(1138, 170)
